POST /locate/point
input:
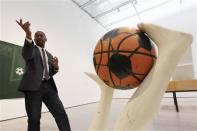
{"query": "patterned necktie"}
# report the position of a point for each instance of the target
(46, 74)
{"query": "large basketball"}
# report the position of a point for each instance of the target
(123, 57)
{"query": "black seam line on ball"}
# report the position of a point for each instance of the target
(122, 51)
(135, 77)
(119, 44)
(100, 56)
(121, 80)
(133, 72)
(132, 52)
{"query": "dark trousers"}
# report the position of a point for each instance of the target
(33, 103)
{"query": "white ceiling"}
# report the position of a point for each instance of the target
(115, 13)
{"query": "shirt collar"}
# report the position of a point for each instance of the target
(40, 48)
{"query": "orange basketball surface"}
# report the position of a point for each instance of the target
(123, 57)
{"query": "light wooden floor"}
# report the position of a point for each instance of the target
(167, 119)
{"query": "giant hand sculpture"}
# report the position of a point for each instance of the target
(142, 106)
(99, 123)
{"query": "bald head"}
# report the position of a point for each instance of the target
(40, 38)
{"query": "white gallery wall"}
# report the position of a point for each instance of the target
(72, 36)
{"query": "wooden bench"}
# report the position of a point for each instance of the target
(181, 86)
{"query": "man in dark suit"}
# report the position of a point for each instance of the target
(37, 83)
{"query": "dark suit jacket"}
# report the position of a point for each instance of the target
(33, 75)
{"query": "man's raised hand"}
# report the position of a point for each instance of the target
(25, 27)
